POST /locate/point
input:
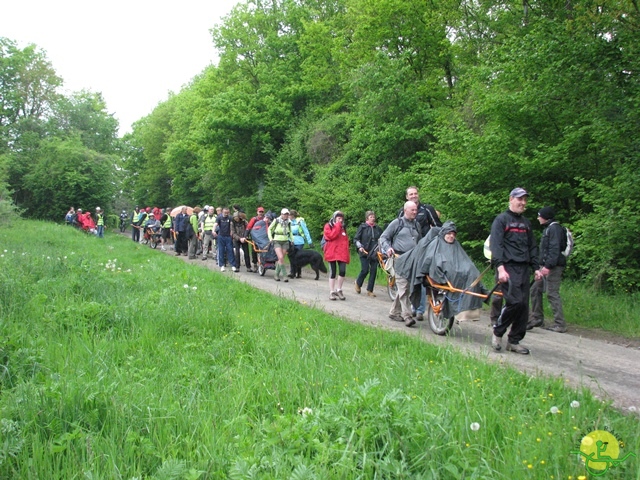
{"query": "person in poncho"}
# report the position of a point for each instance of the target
(440, 256)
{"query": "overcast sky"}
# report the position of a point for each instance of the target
(133, 51)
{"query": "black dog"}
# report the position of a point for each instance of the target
(301, 258)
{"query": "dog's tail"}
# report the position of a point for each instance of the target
(323, 267)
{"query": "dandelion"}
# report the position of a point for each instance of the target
(5, 251)
(194, 288)
(2, 256)
(529, 466)
(575, 404)
(185, 286)
(305, 411)
(475, 426)
(582, 477)
(632, 408)
(554, 410)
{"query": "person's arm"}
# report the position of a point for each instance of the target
(497, 248)
(271, 229)
(303, 224)
(556, 232)
(357, 240)
(386, 239)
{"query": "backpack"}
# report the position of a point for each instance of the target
(323, 242)
(568, 241)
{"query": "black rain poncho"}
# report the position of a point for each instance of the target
(441, 261)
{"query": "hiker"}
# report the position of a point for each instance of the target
(366, 241)
(400, 237)
(552, 264)
(513, 254)
(336, 253)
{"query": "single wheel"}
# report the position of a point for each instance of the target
(392, 288)
(440, 325)
(153, 243)
(261, 270)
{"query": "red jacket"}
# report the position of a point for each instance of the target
(337, 246)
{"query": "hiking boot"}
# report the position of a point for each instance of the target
(410, 322)
(340, 295)
(517, 348)
(420, 317)
(177, 254)
(222, 269)
(396, 318)
(249, 270)
(234, 269)
(204, 259)
(358, 288)
(557, 329)
(285, 280)
(370, 294)
(496, 343)
(277, 279)
(333, 296)
(298, 276)
(163, 249)
(531, 324)
(291, 275)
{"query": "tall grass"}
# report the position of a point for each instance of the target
(120, 362)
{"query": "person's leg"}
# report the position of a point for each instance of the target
(536, 314)
(404, 300)
(342, 270)
(553, 294)
(364, 270)
(517, 303)
(229, 251)
(332, 280)
(279, 262)
(236, 251)
(220, 252)
(373, 272)
(496, 309)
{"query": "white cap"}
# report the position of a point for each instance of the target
(97, 209)
(283, 211)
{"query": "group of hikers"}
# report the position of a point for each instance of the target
(83, 220)
(417, 239)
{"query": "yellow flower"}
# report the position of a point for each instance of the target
(529, 466)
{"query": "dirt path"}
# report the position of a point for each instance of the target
(607, 364)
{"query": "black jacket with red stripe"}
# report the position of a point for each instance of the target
(512, 241)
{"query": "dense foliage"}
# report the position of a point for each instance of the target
(55, 151)
(327, 104)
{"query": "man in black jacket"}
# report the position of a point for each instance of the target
(513, 253)
(552, 263)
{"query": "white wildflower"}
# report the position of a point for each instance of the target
(632, 408)
(186, 286)
(575, 404)
(194, 288)
(554, 410)
(475, 426)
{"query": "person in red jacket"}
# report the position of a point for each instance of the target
(336, 252)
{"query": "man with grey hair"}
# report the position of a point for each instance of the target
(401, 236)
(513, 254)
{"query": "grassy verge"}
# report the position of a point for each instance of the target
(120, 362)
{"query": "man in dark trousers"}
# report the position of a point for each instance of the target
(513, 254)
(552, 263)
(180, 226)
